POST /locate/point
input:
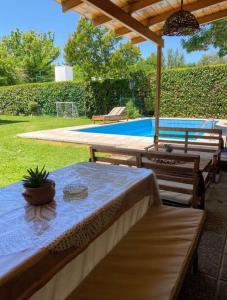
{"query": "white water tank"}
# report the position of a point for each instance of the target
(63, 73)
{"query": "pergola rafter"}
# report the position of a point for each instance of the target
(113, 11)
(129, 8)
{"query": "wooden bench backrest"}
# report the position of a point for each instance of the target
(158, 161)
(191, 139)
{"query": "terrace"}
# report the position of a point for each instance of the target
(108, 234)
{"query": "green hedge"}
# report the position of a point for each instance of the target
(194, 92)
(191, 92)
(15, 99)
(93, 98)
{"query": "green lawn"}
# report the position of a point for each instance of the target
(17, 154)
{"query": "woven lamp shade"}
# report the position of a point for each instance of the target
(181, 23)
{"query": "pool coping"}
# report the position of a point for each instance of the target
(72, 135)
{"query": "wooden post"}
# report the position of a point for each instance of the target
(158, 94)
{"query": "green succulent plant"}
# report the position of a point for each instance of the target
(35, 178)
(168, 148)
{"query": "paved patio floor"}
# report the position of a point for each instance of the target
(69, 135)
(211, 281)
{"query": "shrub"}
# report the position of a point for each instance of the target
(15, 99)
(91, 98)
(131, 111)
(199, 92)
(189, 92)
(3, 81)
(33, 107)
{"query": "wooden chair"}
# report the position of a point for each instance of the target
(116, 114)
(205, 142)
(179, 178)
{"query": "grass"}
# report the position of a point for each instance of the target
(17, 154)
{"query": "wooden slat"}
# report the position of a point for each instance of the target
(113, 11)
(165, 167)
(195, 149)
(170, 156)
(175, 189)
(69, 4)
(130, 8)
(158, 94)
(206, 130)
(137, 40)
(188, 180)
(116, 161)
(206, 137)
(144, 153)
(189, 142)
(212, 17)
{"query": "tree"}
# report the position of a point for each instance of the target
(32, 53)
(149, 63)
(175, 59)
(123, 61)
(213, 34)
(7, 69)
(211, 59)
(97, 53)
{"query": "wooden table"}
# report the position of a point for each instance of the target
(45, 252)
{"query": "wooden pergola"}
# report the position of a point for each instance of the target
(141, 20)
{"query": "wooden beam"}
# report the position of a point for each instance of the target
(136, 6)
(130, 8)
(158, 94)
(139, 39)
(213, 17)
(162, 17)
(115, 12)
(69, 4)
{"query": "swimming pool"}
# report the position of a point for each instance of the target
(146, 127)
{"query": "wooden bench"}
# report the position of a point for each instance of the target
(151, 260)
(180, 180)
(205, 142)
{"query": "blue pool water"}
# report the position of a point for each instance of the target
(145, 127)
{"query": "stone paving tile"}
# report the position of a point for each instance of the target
(198, 287)
(209, 261)
(212, 240)
(222, 293)
(216, 225)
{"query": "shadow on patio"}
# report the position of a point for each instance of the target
(211, 281)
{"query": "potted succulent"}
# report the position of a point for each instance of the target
(168, 148)
(38, 188)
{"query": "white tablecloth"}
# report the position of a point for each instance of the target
(88, 228)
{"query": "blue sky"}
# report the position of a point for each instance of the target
(46, 15)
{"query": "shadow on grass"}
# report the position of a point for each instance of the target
(6, 122)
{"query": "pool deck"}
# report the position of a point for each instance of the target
(69, 135)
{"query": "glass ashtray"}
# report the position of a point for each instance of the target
(75, 191)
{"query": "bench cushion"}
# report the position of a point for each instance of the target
(150, 261)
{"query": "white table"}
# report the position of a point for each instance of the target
(45, 252)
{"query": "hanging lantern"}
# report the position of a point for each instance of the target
(181, 23)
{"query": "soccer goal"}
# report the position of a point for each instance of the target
(66, 110)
